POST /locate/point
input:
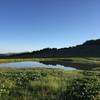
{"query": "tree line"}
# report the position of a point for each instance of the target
(89, 48)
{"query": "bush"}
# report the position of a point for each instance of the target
(84, 89)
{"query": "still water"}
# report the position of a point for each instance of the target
(35, 64)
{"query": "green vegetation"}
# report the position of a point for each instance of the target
(87, 63)
(54, 84)
(91, 60)
(48, 84)
(90, 48)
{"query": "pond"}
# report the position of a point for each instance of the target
(34, 64)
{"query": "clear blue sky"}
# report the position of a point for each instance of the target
(27, 25)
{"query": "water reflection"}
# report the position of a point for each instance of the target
(35, 64)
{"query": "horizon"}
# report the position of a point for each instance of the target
(28, 25)
(44, 48)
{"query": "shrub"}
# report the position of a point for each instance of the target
(84, 89)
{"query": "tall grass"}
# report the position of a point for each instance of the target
(48, 84)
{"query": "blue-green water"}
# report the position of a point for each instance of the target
(35, 64)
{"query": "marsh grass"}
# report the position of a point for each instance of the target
(81, 63)
(36, 83)
(45, 84)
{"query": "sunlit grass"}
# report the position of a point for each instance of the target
(92, 60)
(44, 83)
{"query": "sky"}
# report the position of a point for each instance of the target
(27, 25)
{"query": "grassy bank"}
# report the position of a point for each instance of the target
(89, 60)
(48, 84)
(25, 59)
(90, 63)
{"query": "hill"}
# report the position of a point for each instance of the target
(90, 48)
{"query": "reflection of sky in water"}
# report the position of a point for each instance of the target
(34, 64)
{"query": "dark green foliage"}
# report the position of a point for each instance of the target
(88, 49)
(92, 42)
(84, 89)
(49, 84)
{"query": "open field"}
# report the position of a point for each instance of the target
(48, 84)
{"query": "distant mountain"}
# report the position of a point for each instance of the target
(90, 48)
(7, 54)
(92, 42)
(2, 55)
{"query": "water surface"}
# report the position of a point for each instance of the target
(35, 64)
